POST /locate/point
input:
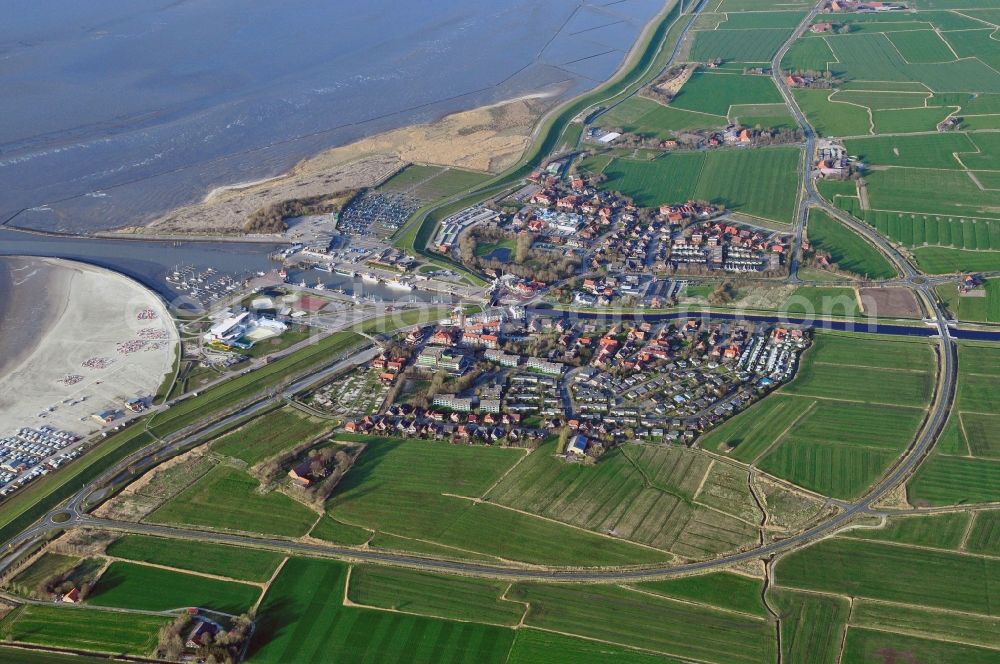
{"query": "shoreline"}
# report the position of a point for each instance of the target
(19, 312)
(106, 339)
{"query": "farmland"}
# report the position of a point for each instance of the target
(864, 645)
(85, 629)
(985, 534)
(132, 586)
(720, 589)
(758, 182)
(965, 466)
(302, 619)
(423, 491)
(269, 434)
(714, 93)
(848, 250)
(433, 595)
(815, 434)
(812, 625)
(227, 498)
(944, 625)
(890, 572)
(641, 493)
(646, 117)
(233, 562)
(944, 531)
(647, 621)
(532, 646)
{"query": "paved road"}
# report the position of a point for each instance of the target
(77, 506)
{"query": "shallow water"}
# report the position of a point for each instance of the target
(114, 110)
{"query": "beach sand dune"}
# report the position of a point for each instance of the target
(78, 340)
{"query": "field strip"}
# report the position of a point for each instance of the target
(968, 531)
(207, 575)
(562, 523)
(731, 516)
(704, 478)
(680, 600)
(929, 609)
(870, 403)
(505, 473)
(781, 436)
(936, 637)
(648, 482)
(923, 547)
(526, 605)
(267, 585)
(446, 546)
(685, 658)
(965, 435)
(867, 366)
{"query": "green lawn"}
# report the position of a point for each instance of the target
(235, 562)
(944, 260)
(132, 586)
(265, 436)
(846, 248)
(434, 595)
(227, 498)
(329, 529)
(875, 570)
(759, 182)
(83, 629)
(302, 619)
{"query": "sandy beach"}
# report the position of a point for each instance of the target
(77, 340)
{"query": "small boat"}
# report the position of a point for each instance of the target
(396, 284)
(368, 276)
(319, 285)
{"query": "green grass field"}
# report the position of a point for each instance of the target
(847, 249)
(932, 623)
(712, 93)
(812, 625)
(430, 183)
(985, 534)
(47, 565)
(638, 115)
(329, 529)
(399, 488)
(12, 655)
(760, 182)
(234, 562)
(532, 646)
(933, 151)
(132, 586)
(890, 572)
(759, 45)
(866, 646)
(642, 493)
(750, 433)
(302, 619)
(227, 498)
(719, 589)
(908, 120)
(265, 436)
(943, 260)
(943, 531)
(644, 621)
(434, 595)
(82, 629)
(831, 119)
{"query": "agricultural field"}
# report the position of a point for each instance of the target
(812, 625)
(832, 119)
(965, 628)
(752, 37)
(426, 492)
(648, 621)
(941, 260)
(227, 498)
(434, 595)
(265, 436)
(91, 630)
(984, 537)
(46, 566)
(302, 619)
(895, 573)
(965, 465)
(724, 590)
(234, 562)
(642, 493)
(132, 586)
(646, 117)
(760, 182)
(865, 645)
(941, 531)
(981, 306)
(825, 436)
(848, 250)
(716, 93)
(532, 646)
